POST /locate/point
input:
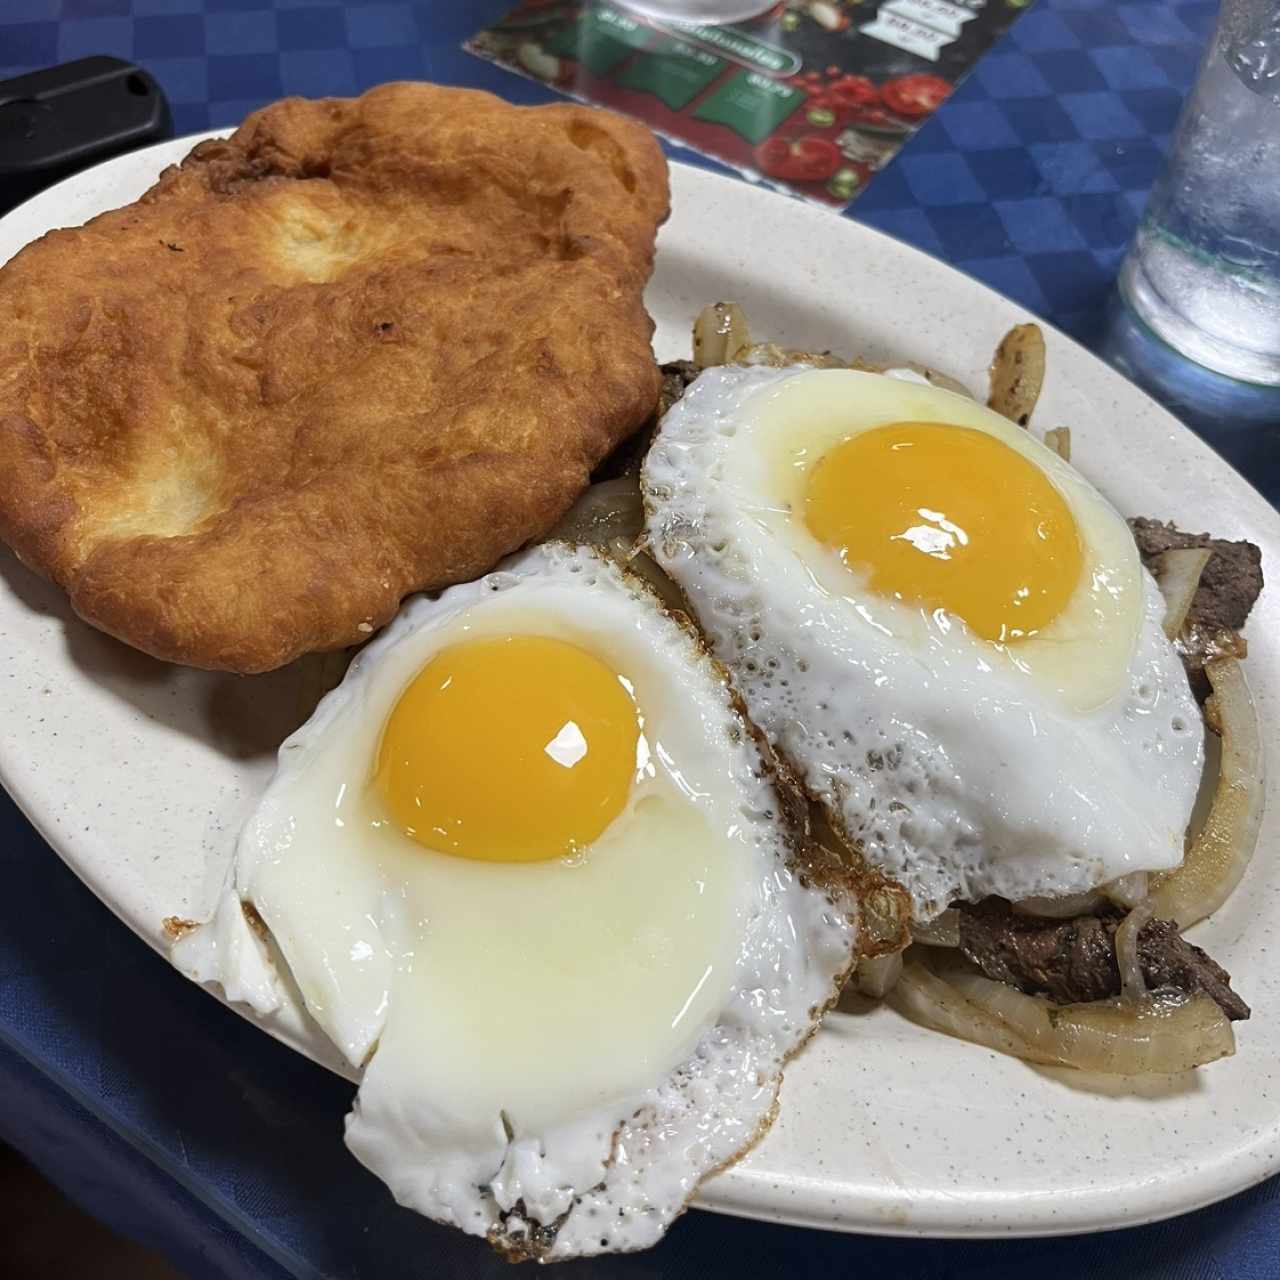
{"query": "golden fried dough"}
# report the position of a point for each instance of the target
(363, 347)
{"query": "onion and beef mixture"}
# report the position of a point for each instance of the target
(1103, 981)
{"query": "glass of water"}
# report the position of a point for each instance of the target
(1204, 268)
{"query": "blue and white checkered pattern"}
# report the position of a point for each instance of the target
(1031, 178)
(1033, 175)
(219, 59)
(178, 1122)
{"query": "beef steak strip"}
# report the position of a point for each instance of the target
(676, 377)
(1231, 580)
(1074, 961)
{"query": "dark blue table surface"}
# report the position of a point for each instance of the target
(180, 1124)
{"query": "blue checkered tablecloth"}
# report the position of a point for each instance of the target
(182, 1125)
(1031, 178)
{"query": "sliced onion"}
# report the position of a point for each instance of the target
(1156, 1035)
(1217, 857)
(1017, 373)
(1178, 576)
(1133, 983)
(1064, 908)
(1128, 891)
(925, 998)
(776, 357)
(1159, 1035)
(1059, 440)
(720, 333)
(606, 511)
(942, 931)
(877, 974)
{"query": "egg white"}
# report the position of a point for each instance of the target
(1080, 658)
(964, 769)
(555, 1053)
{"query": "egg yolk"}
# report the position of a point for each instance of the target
(949, 518)
(514, 749)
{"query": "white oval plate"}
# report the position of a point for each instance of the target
(138, 774)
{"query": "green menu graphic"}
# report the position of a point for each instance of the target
(751, 104)
(675, 72)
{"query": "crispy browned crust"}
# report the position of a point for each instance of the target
(363, 347)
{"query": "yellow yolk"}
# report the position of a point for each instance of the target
(949, 518)
(515, 749)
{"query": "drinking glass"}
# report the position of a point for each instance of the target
(1204, 267)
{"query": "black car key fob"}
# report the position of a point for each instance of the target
(65, 118)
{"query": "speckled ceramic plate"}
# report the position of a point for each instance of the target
(138, 774)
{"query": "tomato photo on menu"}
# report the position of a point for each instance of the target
(810, 159)
(915, 96)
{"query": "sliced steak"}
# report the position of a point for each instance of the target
(1074, 961)
(1169, 960)
(1231, 580)
(676, 377)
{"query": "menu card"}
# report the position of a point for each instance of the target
(813, 96)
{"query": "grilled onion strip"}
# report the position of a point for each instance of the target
(1157, 1035)
(1218, 855)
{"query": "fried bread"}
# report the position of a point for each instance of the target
(362, 347)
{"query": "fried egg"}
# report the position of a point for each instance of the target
(943, 627)
(530, 870)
